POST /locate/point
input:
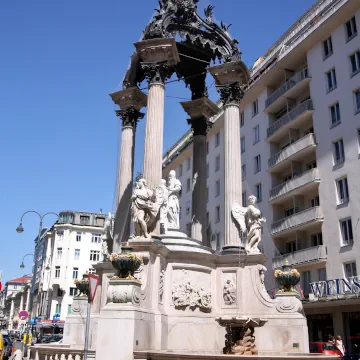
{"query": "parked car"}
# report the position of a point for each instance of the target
(51, 339)
(324, 348)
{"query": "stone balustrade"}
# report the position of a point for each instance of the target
(296, 220)
(303, 256)
(301, 144)
(295, 183)
(58, 352)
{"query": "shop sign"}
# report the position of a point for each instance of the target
(336, 287)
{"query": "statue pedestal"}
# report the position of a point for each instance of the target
(124, 291)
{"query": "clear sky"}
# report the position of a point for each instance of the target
(59, 136)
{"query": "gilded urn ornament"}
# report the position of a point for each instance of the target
(126, 263)
(83, 285)
(287, 278)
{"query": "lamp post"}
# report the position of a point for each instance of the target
(22, 262)
(20, 229)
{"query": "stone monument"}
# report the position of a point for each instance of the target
(163, 294)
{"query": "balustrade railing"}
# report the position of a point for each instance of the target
(296, 220)
(296, 79)
(307, 105)
(302, 143)
(58, 352)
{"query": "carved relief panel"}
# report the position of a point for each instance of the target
(229, 289)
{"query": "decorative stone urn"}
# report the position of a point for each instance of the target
(126, 263)
(124, 291)
(287, 278)
(83, 285)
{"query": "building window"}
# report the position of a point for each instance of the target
(350, 270)
(306, 275)
(217, 188)
(217, 139)
(69, 308)
(346, 232)
(339, 153)
(217, 163)
(315, 202)
(328, 48)
(96, 238)
(207, 194)
(255, 108)
(188, 207)
(358, 132)
(60, 235)
(58, 308)
(258, 192)
(84, 220)
(75, 273)
(316, 239)
(243, 172)
(357, 100)
(322, 274)
(217, 214)
(207, 147)
(291, 247)
(188, 185)
(256, 134)
(72, 291)
(59, 253)
(218, 241)
(355, 63)
(351, 29)
(100, 221)
(77, 254)
(242, 119)
(242, 144)
(180, 170)
(244, 199)
(289, 212)
(94, 255)
(342, 190)
(92, 271)
(257, 164)
(335, 114)
(188, 229)
(207, 218)
(57, 272)
(331, 80)
(78, 236)
(188, 164)
(207, 170)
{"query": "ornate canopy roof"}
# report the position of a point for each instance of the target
(199, 41)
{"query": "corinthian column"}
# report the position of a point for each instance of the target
(200, 111)
(130, 101)
(229, 78)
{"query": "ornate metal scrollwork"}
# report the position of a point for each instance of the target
(228, 340)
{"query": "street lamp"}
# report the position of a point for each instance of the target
(22, 262)
(20, 229)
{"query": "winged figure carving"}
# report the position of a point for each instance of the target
(239, 214)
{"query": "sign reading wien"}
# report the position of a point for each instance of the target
(336, 287)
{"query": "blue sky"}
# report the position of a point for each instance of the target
(59, 135)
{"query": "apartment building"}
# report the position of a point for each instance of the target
(72, 247)
(300, 151)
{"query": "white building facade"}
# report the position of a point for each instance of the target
(300, 151)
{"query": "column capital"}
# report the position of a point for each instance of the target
(200, 125)
(231, 94)
(157, 72)
(130, 116)
(130, 97)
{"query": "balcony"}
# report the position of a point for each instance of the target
(299, 185)
(302, 257)
(291, 89)
(301, 220)
(294, 152)
(291, 119)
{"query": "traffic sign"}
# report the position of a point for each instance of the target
(93, 284)
(23, 315)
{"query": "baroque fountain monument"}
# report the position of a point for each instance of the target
(163, 294)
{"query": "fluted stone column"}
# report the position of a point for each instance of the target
(11, 315)
(231, 96)
(130, 101)
(28, 298)
(156, 74)
(200, 111)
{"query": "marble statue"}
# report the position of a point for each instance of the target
(229, 293)
(173, 207)
(145, 207)
(249, 221)
(108, 235)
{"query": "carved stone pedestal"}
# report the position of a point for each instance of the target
(124, 292)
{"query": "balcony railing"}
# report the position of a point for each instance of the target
(290, 116)
(301, 180)
(296, 220)
(296, 79)
(304, 256)
(63, 352)
(303, 143)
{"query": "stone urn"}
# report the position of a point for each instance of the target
(83, 285)
(287, 278)
(126, 263)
